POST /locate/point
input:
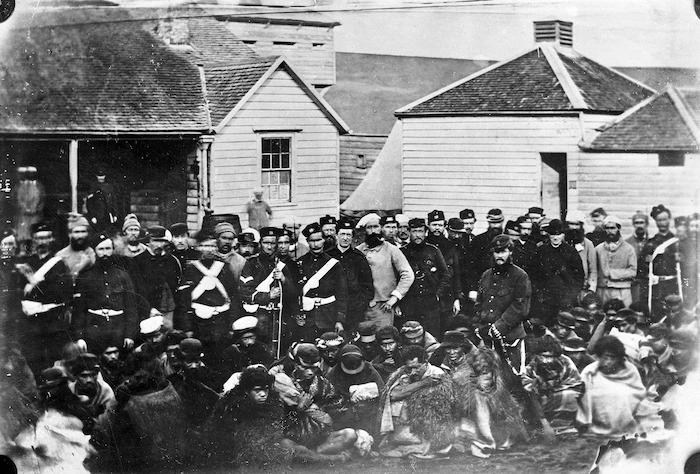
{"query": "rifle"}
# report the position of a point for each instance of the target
(277, 322)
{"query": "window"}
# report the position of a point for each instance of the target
(283, 43)
(277, 168)
(249, 41)
(672, 158)
(318, 45)
(361, 161)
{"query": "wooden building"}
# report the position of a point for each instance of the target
(358, 152)
(305, 38)
(508, 135)
(186, 118)
(649, 155)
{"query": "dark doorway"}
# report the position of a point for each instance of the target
(554, 184)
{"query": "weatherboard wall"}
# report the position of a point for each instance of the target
(483, 162)
(623, 183)
(280, 104)
(309, 49)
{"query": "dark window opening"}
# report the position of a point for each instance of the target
(672, 158)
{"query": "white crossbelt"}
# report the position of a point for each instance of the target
(32, 308)
(106, 312)
(207, 312)
(263, 287)
(310, 303)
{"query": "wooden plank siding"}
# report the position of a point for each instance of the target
(451, 163)
(236, 158)
(312, 55)
(351, 146)
(623, 183)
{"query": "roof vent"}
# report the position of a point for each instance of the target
(555, 31)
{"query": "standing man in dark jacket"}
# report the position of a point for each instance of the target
(214, 304)
(431, 284)
(558, 274)
(323, 285)
(451, 303)
(357, 272)
(156, 276)
(106, 308)
(503, 302)
(467, 261)
(46, 287)
(662, 253)
(264, 282)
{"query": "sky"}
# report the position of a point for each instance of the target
(624, 33)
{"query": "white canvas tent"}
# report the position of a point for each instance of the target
(380, 190)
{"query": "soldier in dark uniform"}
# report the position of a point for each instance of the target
(662, 252)
(329, 230)
(182, 250)
(482, 255)
(431, 284)
(46, 287)
(638, 240)
(557, 274)
(264, 282)
(520, 256)
(503, 302)
(467, 266)
(323, 286)
(214, 303)
(358, 274)
(106, 308)
(535, 215)
(452, 300)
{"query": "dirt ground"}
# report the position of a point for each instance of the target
(569, 455)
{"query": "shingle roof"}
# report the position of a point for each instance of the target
(668, 121)
(547, 78)
(98, 72)
(227, 85)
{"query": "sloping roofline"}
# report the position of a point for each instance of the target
(281, 62)
(677, 100)
(551, 53)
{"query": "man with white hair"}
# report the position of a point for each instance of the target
(391, 273)
(259, 212)
(586, 250)
(617, 264)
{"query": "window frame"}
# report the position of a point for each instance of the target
(282, 134)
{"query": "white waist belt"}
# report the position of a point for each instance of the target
(207, 312)
(32, 308)
(106, 312)
(310, 303)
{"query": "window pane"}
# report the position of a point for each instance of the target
(266, 145)
(284, 177)
(285, 160)
(266, 162)
(276, 145)
(284, 145)
(284, 192)
(275, 161)
(265, 179)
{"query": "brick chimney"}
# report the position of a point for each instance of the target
(174, 31)
(555, 31)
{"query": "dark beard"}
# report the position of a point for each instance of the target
(89, 390)
(78, 245)
(612, 238)
(640, 233)
(106, 261)
(373, 240)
